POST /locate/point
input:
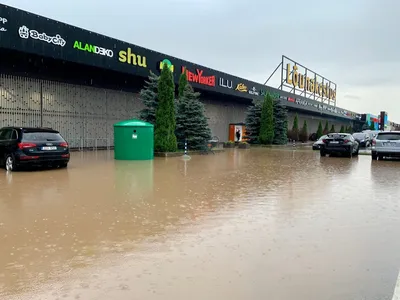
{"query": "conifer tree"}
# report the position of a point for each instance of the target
(304, 132)
(332, 129)
(295, 128)
(319, 130)
(253, 121)
(267, 121)
(280, 123)
(341, 129)
(326, 128)
(165, 124)
(182, 84)
(349, 129)
(191, 122)
(148, 95)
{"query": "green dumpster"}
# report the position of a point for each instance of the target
(133, 140)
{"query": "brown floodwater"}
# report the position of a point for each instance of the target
(243, 224)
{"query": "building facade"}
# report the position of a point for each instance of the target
(81, 83)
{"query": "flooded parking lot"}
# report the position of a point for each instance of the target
(243, 224)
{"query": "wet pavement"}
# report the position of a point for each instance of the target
(243, 224)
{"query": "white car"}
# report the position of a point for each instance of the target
(386, 144)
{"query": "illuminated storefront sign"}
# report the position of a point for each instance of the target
(199, 78)
(168, 63)
(241, 87)
(225, 83)
(128, 57)
(320, 106)
(3, 22)
(93, 49)
(274, 95)
(253, 91)
(298, 80)
(26, 33)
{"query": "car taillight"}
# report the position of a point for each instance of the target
(373, 142)
(324, 141)
(346, 141)
(26, 145)
(64, 145)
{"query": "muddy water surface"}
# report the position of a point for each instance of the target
(250, 224)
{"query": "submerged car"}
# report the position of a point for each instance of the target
(317, 144)
(26, 146)
(362, 138)
(386, 144)
(339, 143)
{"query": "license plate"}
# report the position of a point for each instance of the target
(334, 142)
(49, 148)
(389, 144)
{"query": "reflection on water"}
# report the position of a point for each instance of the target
(134, 178)
(251, 224)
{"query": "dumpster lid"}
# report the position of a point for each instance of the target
(133, 123)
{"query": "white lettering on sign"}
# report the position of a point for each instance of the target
(253, 91)
(103, 51)
(134, 136)
(3, 21)
(225, 83)
(25, 33)
(325, 107)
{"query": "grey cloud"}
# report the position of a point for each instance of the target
(353, 97)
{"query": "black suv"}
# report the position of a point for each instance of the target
(26, 146)
(343, 143)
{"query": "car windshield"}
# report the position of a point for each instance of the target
(322, 137)
(388, 136)
(359, 135)
(337, 136)
(42, 137)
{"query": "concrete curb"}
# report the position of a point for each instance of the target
(396, 294)
(178, 154)
(281, 146)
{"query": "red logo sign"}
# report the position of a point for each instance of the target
(199, 78)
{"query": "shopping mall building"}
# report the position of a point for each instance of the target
(81, 83)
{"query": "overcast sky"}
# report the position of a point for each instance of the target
(351, 42)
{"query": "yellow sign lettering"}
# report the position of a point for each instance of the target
(297, 80)
(241, 87)
(131, 58)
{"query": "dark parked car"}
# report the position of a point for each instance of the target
(362, 138)
(317, 144)
(23, 146)
(339, 143)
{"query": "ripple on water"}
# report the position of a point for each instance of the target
(240, 224)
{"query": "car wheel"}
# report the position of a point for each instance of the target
(63, 165)
(9, 164)
(322, 152)
(374, 156)
(356, 153)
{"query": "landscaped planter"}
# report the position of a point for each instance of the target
(181, 153)
(168, 154)
(244, 146)
(229, 145)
